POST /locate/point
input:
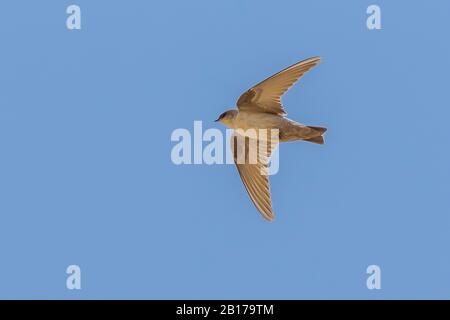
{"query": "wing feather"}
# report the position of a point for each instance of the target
(266, 95)
(255, 175)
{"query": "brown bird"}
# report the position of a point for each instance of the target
(260, 108)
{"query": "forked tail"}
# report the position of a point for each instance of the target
(318, 135)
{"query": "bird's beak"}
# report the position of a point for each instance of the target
(216, 120)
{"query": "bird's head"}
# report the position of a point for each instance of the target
(227, 117)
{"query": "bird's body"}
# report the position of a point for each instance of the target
(289, 130)
(260, 108)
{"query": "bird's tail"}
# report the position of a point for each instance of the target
(318, 138)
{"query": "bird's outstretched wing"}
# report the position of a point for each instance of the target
(266, 95)
(251, 157)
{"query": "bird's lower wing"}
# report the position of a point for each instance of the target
(251, 157)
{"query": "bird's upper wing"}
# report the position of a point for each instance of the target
(266, 95)
(252, 160)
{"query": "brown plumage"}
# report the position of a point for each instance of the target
(260, 107)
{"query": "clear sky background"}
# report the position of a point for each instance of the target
(86, 176)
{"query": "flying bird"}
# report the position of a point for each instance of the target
(258, 108)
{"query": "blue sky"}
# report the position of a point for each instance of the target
(86, 176)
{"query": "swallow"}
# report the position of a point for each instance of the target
(260, 107)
